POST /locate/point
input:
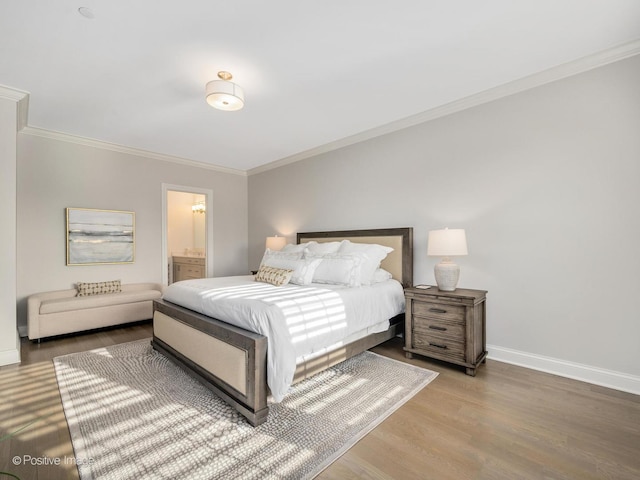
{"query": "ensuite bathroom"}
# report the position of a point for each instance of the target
(186, 235)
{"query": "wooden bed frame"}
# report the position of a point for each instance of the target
(232, 362)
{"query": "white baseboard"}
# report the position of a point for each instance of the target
(9, 357)
(22, 330)
(563, 368)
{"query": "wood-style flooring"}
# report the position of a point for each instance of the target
(507, 422)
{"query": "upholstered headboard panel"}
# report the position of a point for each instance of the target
(399, 262)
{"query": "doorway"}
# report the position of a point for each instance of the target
(187, 233)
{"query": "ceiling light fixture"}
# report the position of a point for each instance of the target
(223, 94)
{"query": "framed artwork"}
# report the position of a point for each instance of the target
(97, 237)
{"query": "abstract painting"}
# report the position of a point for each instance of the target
(100, 236)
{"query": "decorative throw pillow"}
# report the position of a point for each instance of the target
(98, 288)
(274, 276)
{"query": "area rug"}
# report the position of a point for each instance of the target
(133, 414)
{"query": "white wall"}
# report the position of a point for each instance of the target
(547, 185)
(9, 344)
(55, 174)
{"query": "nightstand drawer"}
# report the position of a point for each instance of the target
(436, 326)
(451, 313)
(438, 345)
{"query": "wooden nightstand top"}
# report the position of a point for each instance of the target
(460, 293)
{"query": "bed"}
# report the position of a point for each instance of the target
(237, 361)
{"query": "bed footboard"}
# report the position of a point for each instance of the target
(230, 361)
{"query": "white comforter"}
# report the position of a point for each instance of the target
(297, 320)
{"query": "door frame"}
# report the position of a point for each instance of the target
(208, 193)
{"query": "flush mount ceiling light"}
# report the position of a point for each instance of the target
(223, 94)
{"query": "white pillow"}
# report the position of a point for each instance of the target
(323, 248)
(293, 248)
(279, 254)
(338, 269)
(375, 254)
(303, 268)
(380, 275)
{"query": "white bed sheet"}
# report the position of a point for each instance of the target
(297, 320)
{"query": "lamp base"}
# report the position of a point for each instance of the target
(447, 274)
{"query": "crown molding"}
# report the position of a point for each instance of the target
(552, 74)
(90, 142)
(558, 72)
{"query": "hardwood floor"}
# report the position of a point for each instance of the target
(506, 423)
(30, 403)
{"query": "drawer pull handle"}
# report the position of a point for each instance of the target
(435, 327)
(438, 346)
(437, 310)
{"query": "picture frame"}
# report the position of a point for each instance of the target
(100, 237)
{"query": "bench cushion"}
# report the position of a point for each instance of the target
(79, 303)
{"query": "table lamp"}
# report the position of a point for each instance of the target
(276, 243)
(447, 243)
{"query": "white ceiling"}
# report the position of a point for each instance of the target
(313, 72)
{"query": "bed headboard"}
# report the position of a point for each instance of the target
(399, 262)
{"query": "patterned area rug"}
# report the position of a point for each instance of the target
(133, 414)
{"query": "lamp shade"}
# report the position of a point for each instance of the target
(225, 95)
(447, 243)
(276, 243)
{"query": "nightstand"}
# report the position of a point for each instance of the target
(449, 326)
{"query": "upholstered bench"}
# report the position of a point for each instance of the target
(63, 311)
